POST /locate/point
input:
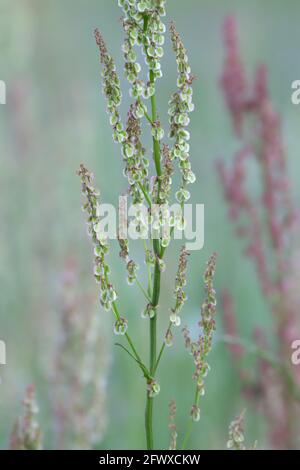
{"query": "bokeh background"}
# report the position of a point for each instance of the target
(55, 119)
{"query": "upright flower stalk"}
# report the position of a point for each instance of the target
(144, 29)
(27, 434)
(201, 348)
(267, 223)
(79, 384)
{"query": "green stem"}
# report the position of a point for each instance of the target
(146, 112)
(147, 197)
(146, 373)
(159, 356)
(145, 293)
(157, 277)
(162, 349)
(148, 423)
(149, 271)
(187, 434)
(153, 335)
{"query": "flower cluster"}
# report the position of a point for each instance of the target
(139, 225)
(124, 248)
(208, 308)
(162, 220)
(169, 337)
(149, 258)
(263, 141)
(80, 367)
(195, 412)
(120, 326)
(26, 433)
(136, 163)
(131, 266)
(149, 312)
(180, 106)
(108, 294)
(172, 425)
(143, 27)
(180, 283)
(111, 88)
(134, 36)
(153, 388)
(236, 434)
(236, 440)
(166, 176)
(202, 347)
(187, 338)
(157, 131)
(233, 76)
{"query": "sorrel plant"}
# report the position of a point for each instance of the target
(145, 30)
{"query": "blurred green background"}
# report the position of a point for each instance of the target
(55, 119)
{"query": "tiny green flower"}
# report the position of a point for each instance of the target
(153, 389)
(121, 326)
(195, 413)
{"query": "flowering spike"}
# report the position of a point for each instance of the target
(180, 106)
(101, 269)
(180, 283)
(233, 77)
(111, 88)
(172, 425)
(134, 155)
(26, 433)
(82, 360)
(166, 176)
(201, 348)
(143, 27)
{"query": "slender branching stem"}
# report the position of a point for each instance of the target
(162, 350)
(147, 29)
(157, 275)
(147, 196)
(149, 271)
(129, 340)
(143, 290)
(147, 116)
